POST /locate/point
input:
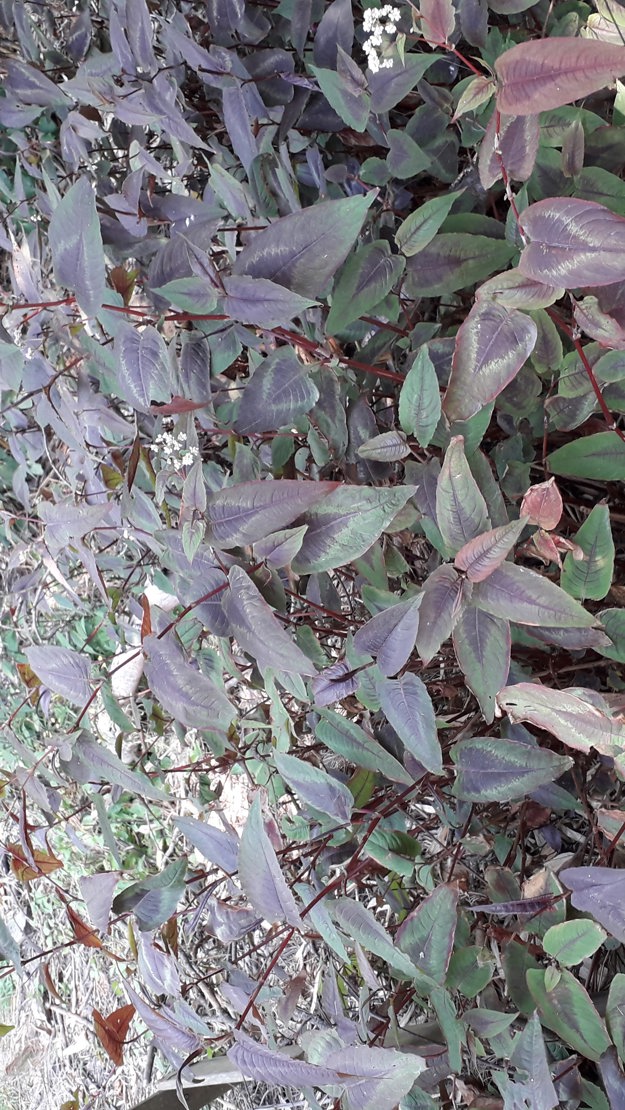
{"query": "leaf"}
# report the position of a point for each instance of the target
(242, 514)
(420, 399)
(316, 787)
(591, 577)
(278, 393)
(567, 1010)
(482, 647)
(481, 556)
(600, 456)
(490, 770)
(93, 762)
(577, 723)
(440, 608)
(615, 1013)
(374, 1078)
(461, 512)
(175, 1040)
(389, 86)
(530, 1055)
(345, 525)
(427, 934)
(438, 20)
(189, 294)
(143, 371)
(454, 260)
(97, 892)
(348, 740)
(572, 242)
(303, 251)
(254, 300)
(154, 900)
(278, 549)
(359, 924)
(491, 346)
(408, 708)
(513, 290)
(255, 627)
(570, 942)
(9, 948)
(390, 636)
(83, 933)
(25, 870)
(542, 505)
(386, 447)
(525, 597)
(509, 146)
(420, 227)
(76, 244)
(260, 874)
(111, 1031)
(599, 891)
(190, 696)
(216, 845)
(63, 671)
(366, 279)
(547, 73)
(345, 89)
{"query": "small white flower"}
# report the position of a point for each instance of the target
(379, 24)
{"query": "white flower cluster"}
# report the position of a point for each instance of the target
(378, 22)
(174, 450)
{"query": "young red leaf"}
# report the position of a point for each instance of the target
(482, 555)
(438, 20)
(547, 73)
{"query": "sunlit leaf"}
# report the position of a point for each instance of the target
(260, 874)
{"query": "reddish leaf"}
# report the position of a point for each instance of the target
(491, 346)
(84, 933)
(438, 20)
(111, 1031)
(44, 861)
(542, 505)
(509, 146)
(176, 406)
(547, 73)
(572, 243)
(482, 555)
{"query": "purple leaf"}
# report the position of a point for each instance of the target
(158, 969)
(480, 557)
(513, 290)
(216, 845)
(390, 636)
(509, 146)
(408, 708)
(92, 762)
(427, 934)
(254, 626)
(30, 86)
(228, 922)
(525, 597)
(346, 524)
(316, 787)
(243, 514)
(438, 20)
(490, 770)
(254, 300)
(348, 740)
(547, 73)
(303, 250)
(143, 371)
(278, 549)
(442, 600)
(335, 29)
(599, 891)
(335, 683)
(482, 647)
(461, 512)
(76, 243)
(572, 242)
(63, 671)
(97, 891)
(260, 874)
(389, 86)
(186, 693)
(492, 345)
(453, 261)
(576, 722)
(176, 1041)
(278, 393)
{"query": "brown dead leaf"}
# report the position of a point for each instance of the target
(111, 1031)
(45, 862)
(84, 933)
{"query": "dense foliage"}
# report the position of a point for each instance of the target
(312, 368)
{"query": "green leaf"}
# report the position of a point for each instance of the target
(470, 970)
(592, 576)
(451, 1028)
(421, 226)
(345, 89)
(573, 941)
(365, 280)
(615, 1013)
(427, 934)
(409, 710)
(153, 900)
(613, 621)
(490, 770)
(190, 294)
(350, 741)
(482, 647)
(461, 512)
(568, 1011)
(420, 399)
(346, 524)
(315, 786)
(600, 456)
(360, 925)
